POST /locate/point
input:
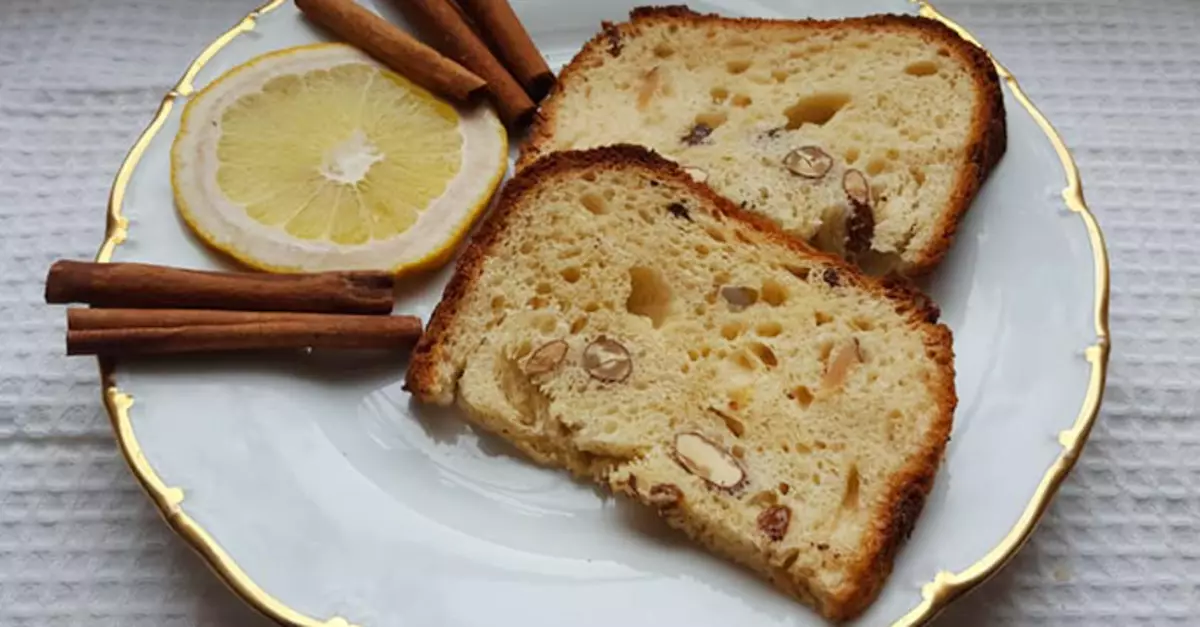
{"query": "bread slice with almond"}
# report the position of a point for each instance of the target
(867, 137)
(617, 319)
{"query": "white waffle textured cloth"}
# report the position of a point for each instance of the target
(81, 545)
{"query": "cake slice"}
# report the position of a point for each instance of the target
(615, 318)
(867, 137)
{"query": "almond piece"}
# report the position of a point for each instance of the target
(809, 162)
(774, 521)
(846, 357)
(607, 360)
(703, 458)
(856, 187)
(665, 495)
(546, 358)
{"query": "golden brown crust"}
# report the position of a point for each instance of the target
(896, 516)
(988, 132)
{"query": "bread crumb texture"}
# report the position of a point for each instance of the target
(617, 319)
(904, 101)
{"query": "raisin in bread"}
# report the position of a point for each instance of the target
(618, 319)
(867, 137)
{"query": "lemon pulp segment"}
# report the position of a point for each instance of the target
(347, 153)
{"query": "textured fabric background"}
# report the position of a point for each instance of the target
(81, 545)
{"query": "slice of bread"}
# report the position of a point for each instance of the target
(774, 114)
(618, 319)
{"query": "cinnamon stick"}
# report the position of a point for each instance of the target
(500, 26)
(443, 24)
(366, 332)
(155, 287)
(395, 48)
(83, 318)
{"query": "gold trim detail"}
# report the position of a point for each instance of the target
(168, 498)
(936, 595)
(947, 586)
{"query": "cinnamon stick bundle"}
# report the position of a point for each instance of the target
(157, 287)
(498, 23)
(115, 332)
(395, 48)
(443, 23)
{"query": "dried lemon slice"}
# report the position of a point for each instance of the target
(318, 158)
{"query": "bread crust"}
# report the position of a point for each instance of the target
(988, 134)
(894, 518)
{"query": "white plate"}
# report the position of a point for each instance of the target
(324, 497)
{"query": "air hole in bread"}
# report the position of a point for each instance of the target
(731, 330)
(768, 329)
(742, 100)
(719, 94)
(592, 307)
(764, 354)
(649, 295)
(646, 216)
(892, 154)
(715, 233)
(877, 166)
(850, 495)
(537, 302)
(774, 293)
(498, 302)
(737, 66)
(918, 174)
(594, 203)
(664, 50)
(851, 155)
(712, 119)
(862, 324)
(735, 426)
(800, 272)
(524, 348)
(816, 109)
(589, 177)
(743, 361)
(825, 350)
(939, 121)
(741, 236)
(702, 250)
(804, 397)
(921, 68)
(578, 324)
(780, 76)
(526, 248)
(544, 288)
(571, 274)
